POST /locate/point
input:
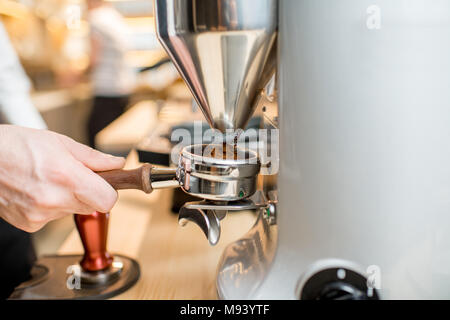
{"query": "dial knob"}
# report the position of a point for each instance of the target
(337, 284)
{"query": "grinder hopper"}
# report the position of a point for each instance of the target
(224, 50)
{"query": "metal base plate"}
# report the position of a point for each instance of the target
(59, 277)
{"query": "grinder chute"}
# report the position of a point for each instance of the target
(224, 50)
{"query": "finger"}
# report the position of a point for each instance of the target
(78, 207)
(94, 192)
(93, 159)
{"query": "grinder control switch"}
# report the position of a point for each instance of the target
(337, 284)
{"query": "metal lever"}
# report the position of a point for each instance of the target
(207, 220)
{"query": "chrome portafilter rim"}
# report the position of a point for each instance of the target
(201, 153)
(218, 178)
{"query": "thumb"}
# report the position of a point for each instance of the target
(93, 159)
(93, 191)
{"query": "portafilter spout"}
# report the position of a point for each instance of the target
(224, 50)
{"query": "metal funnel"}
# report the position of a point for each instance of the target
(224, 50)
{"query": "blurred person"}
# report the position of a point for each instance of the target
(43, 175)
(15, 102)
(113, 80)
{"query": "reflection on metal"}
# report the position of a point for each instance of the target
(245, 263)
(270, 213)
(205, 176)
(224, 50)
(161, 178)
(64, 270)
(254, 202)
(215, 178)
(208, 214)
(207, 220)
(103, 277)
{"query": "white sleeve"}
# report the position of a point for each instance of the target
(16, 106)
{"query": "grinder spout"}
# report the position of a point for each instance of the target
(223, 49)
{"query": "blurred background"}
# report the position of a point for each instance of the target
(75, 55)
(53, 39)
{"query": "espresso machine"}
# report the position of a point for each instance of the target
(362, 200)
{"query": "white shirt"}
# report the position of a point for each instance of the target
(15, 102)
(111, 74)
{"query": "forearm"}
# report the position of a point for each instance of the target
(45, 176)
(15, 103)
(16, 106)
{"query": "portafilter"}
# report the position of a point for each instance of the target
(212, 172)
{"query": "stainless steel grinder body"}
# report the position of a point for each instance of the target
(364, 104)
(364, 178)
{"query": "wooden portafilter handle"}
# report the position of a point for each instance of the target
(138, 179)
(93, 228)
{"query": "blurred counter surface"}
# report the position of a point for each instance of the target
(65, 110)
(176, 262)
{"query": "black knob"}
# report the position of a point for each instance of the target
(337, 284)
(341, 291)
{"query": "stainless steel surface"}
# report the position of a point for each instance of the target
(204, 175)
(364, 132)
(216, 178)
(228, 206)
(207, 214)
(64, 280)
(161, 178)
(271, 213)
(207, 220)
(224, 50)
(245, 263)
(103, 277)
(256, 201)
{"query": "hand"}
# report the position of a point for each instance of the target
(45, 176)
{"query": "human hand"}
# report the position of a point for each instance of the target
(45, 176)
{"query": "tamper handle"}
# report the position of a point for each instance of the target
(138, 179)
(93, 230)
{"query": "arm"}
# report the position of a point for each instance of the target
(15, 103)
(45, 176)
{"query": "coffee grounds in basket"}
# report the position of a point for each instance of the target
(223, 155)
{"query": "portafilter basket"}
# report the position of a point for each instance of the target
(218, 172)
